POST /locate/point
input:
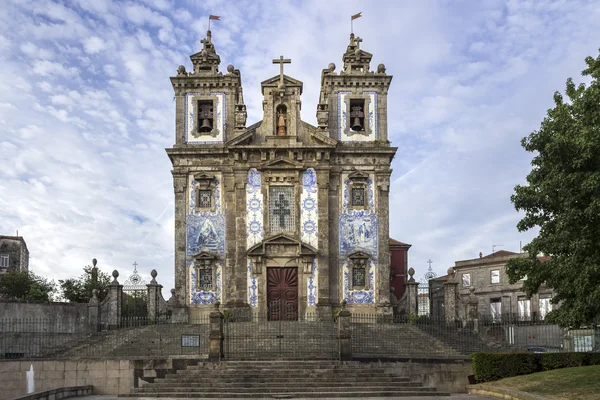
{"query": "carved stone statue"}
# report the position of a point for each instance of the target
(281, 128)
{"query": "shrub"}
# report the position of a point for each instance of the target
(593, 359)
(493, 366)
(549, 361)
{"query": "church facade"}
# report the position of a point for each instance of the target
(282, 216)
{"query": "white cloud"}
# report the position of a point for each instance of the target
(94, 45)
(49, 68)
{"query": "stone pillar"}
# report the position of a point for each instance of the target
(238, 214)
(94, 312)
(333, 222)
(323, 297)
(383, 275)
(472, 310)
(344, 333)
(450, 296)
(180, 186)
(215, 350)
(412, 294)
(115, 302)
(153, 297)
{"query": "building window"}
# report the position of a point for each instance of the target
(545, 305)
(358, 197)
(466, 280)
(495, 276)
(524, 305)
(4, 260)
(204, 198)
(281, 209)
(359, 276)
(496, 309)
(205, 279)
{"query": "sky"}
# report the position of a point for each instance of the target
(86, 111)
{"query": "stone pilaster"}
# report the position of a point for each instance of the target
(334, 240)
(383, 212)
(240, 273)
(153, 297)
(324, 302)
(180, 188)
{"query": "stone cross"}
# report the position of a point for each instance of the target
(358, 40)
(281, 209)
(135, 264)
(429, 262)
(281, 61)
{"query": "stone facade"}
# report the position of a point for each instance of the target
(282, 193)
(480, 287)
(14, 255)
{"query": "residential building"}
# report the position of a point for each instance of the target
(398, 266)
(14, 255)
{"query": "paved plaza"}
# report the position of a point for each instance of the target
(452, 397)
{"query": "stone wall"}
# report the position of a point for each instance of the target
(445, 375)
(64, 314)
(107, 376)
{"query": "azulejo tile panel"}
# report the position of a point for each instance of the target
(254, 209)
(309, 209)
(359, 296)
(252, 287)
(358, 230)
(219, 113)
(205, 231)
(200, 297)
(311, 285)
(254, 227)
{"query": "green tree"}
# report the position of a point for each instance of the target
(79, 290)
(25, 285)
(562, 198)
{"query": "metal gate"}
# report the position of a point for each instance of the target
(135, 299)
(264, 336)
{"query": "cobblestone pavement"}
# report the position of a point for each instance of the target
(453, 397)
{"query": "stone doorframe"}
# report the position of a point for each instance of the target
(282, 251)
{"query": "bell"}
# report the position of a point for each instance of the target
(356, 125)
(205, 126)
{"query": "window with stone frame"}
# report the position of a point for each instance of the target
(545, 305)
(204, 198)
(466, 280)
(496, 309)
(358, 268)
(524, 308)
(205, 279)
(358, 190)
(357, 196)
(282, 211)
(4, 258)
(495, 276)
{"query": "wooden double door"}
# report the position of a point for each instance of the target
(282, 293)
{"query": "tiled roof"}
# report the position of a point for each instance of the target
(394, 242)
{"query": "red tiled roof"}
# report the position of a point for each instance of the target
(394, 242)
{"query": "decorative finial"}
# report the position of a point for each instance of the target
(411, 272)
(331, 67)
(230, 68)
(153, 273)
(94, 262)
(381, 69)
(115, 274)
(451, 272)
(344, 302)
(217, 304)
(172, 292)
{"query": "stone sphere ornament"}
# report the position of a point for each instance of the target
(331, 67)
(381, 69)
(153, 274)
(115, 274)
(230, 68)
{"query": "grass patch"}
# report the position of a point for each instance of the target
(578, 383)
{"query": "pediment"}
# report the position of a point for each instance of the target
(283, 245)
(281, 163)
(205, 55)
(205, 255)
(362, 55)
(274, 81)
(358, 176)
(242, 139)
(359, 255)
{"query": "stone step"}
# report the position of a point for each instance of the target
(290, 395)
(264, 385)
(279, 389)
(265, 379)
(289, 375)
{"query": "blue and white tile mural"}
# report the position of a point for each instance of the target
(205, 231)
(358, 230)
(191, 112)
(370, 117)
(309, 227)
(254, 227)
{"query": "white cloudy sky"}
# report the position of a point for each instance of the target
(86, 110)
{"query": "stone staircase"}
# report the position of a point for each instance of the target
(283, 379)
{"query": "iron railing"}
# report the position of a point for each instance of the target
(132, 337)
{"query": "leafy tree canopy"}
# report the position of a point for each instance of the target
(79, 290)
(562, 198)
(25, 285)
